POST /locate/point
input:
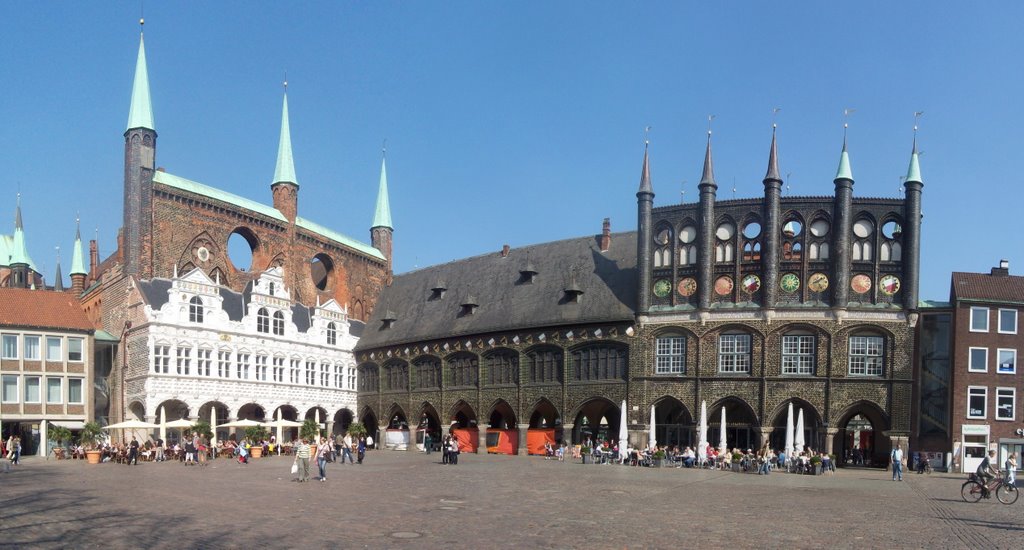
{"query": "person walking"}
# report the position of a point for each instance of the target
(201, 448)
(16, 449)
(323, 454)
(361, 450)
(454, 458)
(339, 442)
(159, 450)
(1011, 469)
(897, 463)
(302, 457)
(133, 452)
(346, 449)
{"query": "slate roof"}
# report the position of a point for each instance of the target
(988, 288)
(505, 302)
(42, 309)
(154, 291)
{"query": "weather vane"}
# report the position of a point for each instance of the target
(710, 118)
(775, 111)
(285, 81)
(647, 139)
(846, 117)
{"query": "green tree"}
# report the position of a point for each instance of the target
(309, 431)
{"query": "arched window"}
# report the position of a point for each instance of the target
(262, 320)
(396, 376)
(464, 370)
(734, 353)
(369, 378)
(599, 363)
(798, 354)
(687, 254)
(503, 368)
(279, 323)
(195, 310)
(866, 355)
(545, 365)
(427, 373)
(332, 335)
(670, 354)
(723, 252)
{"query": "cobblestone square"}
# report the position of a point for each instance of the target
(409, 500)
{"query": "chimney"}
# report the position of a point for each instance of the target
(606, 234)
(504, 251)
(1003, 270)
(94, 258)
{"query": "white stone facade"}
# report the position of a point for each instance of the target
(198, 357)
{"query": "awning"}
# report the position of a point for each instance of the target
(69, 424)
(104, 336)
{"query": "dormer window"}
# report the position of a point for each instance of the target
(332, 335)
(438, 290)
(263, 320)
(527, 274)
(195, 310)
(469, 306)
(388, 319)
(573, 292)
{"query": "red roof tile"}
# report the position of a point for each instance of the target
(983, 286)
(41, 309)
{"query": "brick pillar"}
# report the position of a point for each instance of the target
(481, 445)
(521, 447)
(567, 430)
(830, 435)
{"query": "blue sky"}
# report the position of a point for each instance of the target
(517, 122)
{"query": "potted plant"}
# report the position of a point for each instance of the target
(585, 453)
(816, 463)
(356, 430)
(90, 437)
(255, 435)
(659, 456)
(310, 431)
(61, 435)
(202, 428)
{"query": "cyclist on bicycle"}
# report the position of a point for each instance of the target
(987, 471)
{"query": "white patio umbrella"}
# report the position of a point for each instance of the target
(213, 429)
(788, 449)
(163, 418)
(244, 423)
(179, 423)
(623, 430)
(653, 438)
(721, 433)
(131, 425)
(702, 429)
(798, 439)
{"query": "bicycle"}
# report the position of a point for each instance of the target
(972, 490)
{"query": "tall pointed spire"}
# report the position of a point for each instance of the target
(708, 177)
(285, 171)
(140, 115)
(382, 215)
(844, 172)
(645, 174)
(58, 279)
(773, 162)
(19, 252)
(77, 259)
(914, 170)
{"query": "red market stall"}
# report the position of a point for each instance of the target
(535, 439)
(468, 438)
(503, 442)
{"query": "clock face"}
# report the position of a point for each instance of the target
(860, 283)
(790, 282)
(662, 288)
(889, 285)
(687, 287)
(818, 282)
(751, 283)
(723, 286)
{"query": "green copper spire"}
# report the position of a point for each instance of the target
(19, 252)
(285, 172)
(382, 216)
(140, 115)
(77, 263)
(914, 171)
(844, 172)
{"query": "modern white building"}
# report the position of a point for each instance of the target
(198, 349)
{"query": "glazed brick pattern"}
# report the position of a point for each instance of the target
(833, 394)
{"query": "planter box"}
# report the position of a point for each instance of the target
(93, 457)
(256, 451)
